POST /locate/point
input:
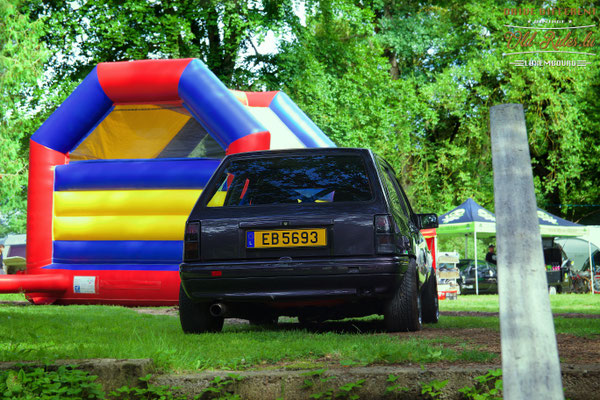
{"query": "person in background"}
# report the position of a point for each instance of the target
(491, 255)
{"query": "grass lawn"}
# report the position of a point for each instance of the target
(575, 326)
(12, 297)
(48, 333)
(560, 303)
(62, 332)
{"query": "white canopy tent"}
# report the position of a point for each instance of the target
(471, 219)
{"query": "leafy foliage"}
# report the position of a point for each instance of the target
(22, 57)
(318, 381)
(461, 76)
(336, 72)
(487, 387)
(414, 81)
(433, 389)
(223, 33)
(147, 391)
(69, 382)
(66, 382)
(393, 387)
(222, 388)
(397, 83)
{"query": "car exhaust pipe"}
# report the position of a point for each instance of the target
(217, 309)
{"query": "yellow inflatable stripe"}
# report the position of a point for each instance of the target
(131, 131)
(154, 227)
(125, 202)
(217, 200)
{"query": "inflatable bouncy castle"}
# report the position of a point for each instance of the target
(116, 169)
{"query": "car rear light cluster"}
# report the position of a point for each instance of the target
(191, 241)
(384, 234)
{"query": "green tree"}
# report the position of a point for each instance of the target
(412, 80)
(335, 70)
(223, 33)
(80, 34)
(21, 60)
(460, 75)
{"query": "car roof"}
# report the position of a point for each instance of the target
(292, 152)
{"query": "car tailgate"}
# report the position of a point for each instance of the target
(338, 234)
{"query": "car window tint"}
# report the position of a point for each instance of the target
(393, 190)
(399, 196)
(293, 180)
(405, 204)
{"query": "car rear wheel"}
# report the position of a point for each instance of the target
(403, 311)
(195, 317)
(429, 299)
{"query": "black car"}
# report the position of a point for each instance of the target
(313, 233)
(558, 267)
(487, 277)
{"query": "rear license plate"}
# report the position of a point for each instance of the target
(286, 238)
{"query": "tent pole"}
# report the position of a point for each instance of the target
(435, 249)
(475, 257)
(590, 259)
(466, 246)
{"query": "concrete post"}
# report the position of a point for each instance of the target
(530, 363)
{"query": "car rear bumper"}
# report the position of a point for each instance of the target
(314, 279)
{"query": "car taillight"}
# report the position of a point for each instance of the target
(384, 234)
(191, 241)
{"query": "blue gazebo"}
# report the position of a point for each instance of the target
(470, 218)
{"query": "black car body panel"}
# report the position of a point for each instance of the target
(223, 233)
(336, 261)
(290, 279)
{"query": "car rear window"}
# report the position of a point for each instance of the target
(292, 180)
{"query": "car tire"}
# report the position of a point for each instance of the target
(195, 317)
(403, 311)
(429, 300)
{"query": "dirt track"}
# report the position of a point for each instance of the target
(572, 349)
(580, 360)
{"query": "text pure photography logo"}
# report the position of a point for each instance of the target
(548, 32)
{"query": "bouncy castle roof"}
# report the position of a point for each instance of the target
(170, 109)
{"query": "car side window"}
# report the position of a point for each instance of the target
(396, 195)
(409, 209)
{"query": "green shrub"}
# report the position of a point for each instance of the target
(66, 382)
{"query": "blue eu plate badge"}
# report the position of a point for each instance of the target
(249, 239)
